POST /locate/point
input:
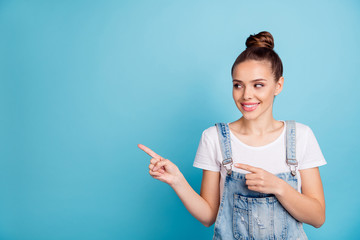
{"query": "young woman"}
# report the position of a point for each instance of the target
(260, 175)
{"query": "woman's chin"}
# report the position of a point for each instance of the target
(249, 116)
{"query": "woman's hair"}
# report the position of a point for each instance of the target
(260, 47)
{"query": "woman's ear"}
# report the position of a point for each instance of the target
(279, 85)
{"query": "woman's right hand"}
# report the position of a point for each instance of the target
(161, 168)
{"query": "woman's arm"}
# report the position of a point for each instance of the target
(203, 207)
(307, 207)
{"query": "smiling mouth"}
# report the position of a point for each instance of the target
(249, 107)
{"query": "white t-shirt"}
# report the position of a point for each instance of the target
(270, 157)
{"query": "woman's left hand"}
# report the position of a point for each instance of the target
(260, 180)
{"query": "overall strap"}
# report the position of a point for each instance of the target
(291, 146)
(225, 145)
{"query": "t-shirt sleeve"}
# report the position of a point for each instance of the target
(313, 156)
(206, 154)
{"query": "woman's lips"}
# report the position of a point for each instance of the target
(248, 107)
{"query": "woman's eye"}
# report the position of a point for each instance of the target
(256, 85)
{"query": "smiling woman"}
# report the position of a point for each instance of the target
(257, 87)
(260, 175)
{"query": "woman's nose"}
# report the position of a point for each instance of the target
(248, 94)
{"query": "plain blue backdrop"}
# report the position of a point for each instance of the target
(83, 82)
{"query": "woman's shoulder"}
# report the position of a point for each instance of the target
(210, 132)
(301, 127)
(303, 132)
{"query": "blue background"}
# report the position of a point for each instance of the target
(83, 82)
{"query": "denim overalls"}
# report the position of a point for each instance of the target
(246, 214)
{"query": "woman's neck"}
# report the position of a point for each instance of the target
(260, 126)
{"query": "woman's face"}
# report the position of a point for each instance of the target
(254, 88)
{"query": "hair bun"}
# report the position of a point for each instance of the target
(262, 39)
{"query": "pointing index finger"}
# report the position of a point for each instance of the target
(246, 167)
(149, 151)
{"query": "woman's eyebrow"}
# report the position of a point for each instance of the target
(258, 79)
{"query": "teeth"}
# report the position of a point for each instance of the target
(248, 106)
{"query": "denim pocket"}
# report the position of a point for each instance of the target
(265, 215)
(240, 217)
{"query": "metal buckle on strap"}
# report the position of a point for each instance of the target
(292, 163)
(293, 172)
(227, 162)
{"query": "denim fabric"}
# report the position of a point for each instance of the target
(291, 146)
(246, 214)
(225, 145)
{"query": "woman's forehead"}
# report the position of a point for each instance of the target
(252, 70)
